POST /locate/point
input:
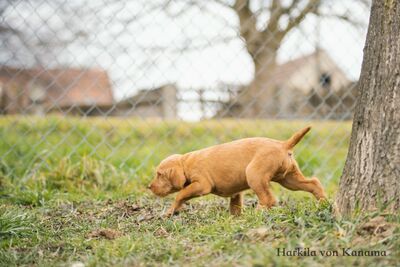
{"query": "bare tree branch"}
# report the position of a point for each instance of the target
(311, 7)
(247, 24)
(290, 7)
(276, 10)
(7, 29)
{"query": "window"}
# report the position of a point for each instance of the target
(325, 80)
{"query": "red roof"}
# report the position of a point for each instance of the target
(63, 86)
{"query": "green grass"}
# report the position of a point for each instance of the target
(62, 181)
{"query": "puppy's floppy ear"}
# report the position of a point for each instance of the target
(177, 177)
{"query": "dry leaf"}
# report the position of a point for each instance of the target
(258, 233)
(105, 233)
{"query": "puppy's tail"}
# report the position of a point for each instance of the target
(292, 141)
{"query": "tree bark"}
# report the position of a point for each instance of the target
(371, 176)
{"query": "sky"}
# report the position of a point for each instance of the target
(143, 46)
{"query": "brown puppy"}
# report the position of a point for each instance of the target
(229, 169)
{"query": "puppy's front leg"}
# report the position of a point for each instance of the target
(195, 189)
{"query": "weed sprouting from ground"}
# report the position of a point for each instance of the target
(15, 223)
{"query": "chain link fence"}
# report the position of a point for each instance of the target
(274, 64)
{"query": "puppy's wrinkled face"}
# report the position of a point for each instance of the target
(161, 185)
(169, 177)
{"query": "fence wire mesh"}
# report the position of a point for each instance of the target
(235, 68)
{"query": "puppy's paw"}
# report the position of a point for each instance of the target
(318, 191)
(265, 207)
(235, 211)
(260, 207)
(170, 212)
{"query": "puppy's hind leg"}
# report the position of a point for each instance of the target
(296, 181)
(236, 203)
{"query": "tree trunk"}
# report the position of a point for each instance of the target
(257, 98)
(371, 175)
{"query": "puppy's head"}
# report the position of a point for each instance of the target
(169, 177)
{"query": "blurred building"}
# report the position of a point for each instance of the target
(65, 90)
(159, 102)
(312, 86)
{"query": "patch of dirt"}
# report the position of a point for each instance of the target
(137, 212)
(161, 232)
(260, 233)
(126, 208)
(145, 217)
(377, 226)
(374, 230)
(107, 233)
